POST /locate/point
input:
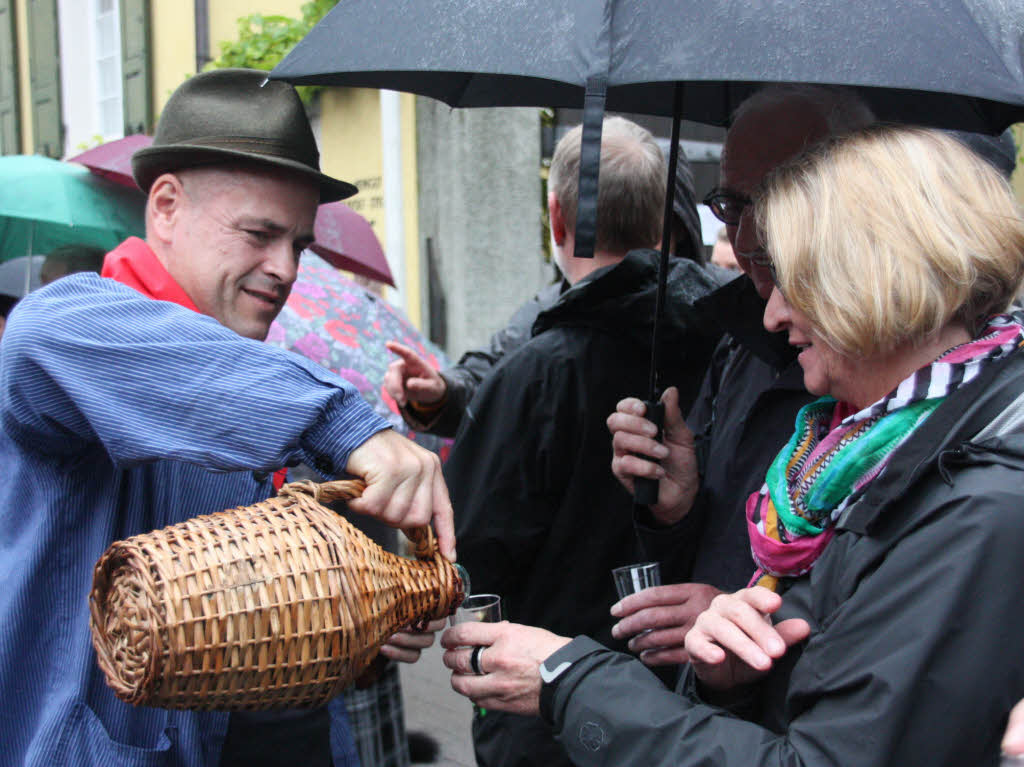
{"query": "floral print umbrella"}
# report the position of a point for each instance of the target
(340, 325)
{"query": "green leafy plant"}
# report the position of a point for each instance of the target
(263, 40)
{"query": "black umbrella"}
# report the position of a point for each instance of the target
(907, 58)
(947, 63)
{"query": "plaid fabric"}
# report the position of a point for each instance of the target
(377, 719)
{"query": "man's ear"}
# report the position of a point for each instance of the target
(164, 206)
(557, 219)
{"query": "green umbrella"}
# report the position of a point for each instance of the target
(46, 203)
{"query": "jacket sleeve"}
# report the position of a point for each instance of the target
(464, 377)
(89, 361)
(916, 659)
(507, 470)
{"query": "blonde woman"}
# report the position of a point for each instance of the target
(883, 625)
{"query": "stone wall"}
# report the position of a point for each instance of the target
(479, 219)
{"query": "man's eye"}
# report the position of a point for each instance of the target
(258, 234)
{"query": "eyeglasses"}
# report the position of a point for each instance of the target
(727, 207)
(762, 259)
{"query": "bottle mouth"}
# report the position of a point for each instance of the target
(463, 574)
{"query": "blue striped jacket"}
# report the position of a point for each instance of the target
(121, 414)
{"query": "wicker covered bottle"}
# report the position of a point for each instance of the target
(277, 605)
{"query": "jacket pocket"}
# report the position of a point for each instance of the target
(85, 742)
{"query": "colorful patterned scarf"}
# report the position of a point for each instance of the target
(835, 454)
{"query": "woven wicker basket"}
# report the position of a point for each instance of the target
(277, 605)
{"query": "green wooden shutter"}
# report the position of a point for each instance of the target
(44, 74)
(10, 124)
(135, 66)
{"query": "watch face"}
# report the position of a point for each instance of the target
(553, 674)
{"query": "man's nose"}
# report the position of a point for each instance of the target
(282, 262)
(746, 234)
(776, 312)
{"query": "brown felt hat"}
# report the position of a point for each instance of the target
(229, 115)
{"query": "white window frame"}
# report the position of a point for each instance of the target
(109, 105)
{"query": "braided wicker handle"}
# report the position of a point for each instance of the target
(325, 493)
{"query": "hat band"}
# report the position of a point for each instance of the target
(255, 145)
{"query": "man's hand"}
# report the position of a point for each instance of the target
(404, 486)
(734, 642)
(633, 440)
(667, 613)
(510, 661)
(411, 377)
(405, 646)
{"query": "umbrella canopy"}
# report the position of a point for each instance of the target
(346, 240)
(46, 203)
(341, 326)
(113, 160)
(907, 59)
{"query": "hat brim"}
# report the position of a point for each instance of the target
(149, 163)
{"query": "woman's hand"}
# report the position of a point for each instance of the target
(510, 660)
(734, 642)
(636, 450)
(666, 613)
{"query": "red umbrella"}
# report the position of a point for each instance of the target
(113, 160)
(346, 240)
(343, 237)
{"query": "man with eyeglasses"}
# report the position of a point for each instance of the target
(750, 395)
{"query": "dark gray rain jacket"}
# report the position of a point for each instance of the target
(916, 653)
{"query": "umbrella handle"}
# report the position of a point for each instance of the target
(645, 490)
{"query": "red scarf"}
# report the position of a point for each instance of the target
(133, 263)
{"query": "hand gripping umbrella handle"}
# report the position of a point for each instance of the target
(645, 489)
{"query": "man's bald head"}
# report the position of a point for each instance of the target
(773, 125)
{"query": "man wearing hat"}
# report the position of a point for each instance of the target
(138, 399)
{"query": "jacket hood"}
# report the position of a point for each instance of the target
(621, 299)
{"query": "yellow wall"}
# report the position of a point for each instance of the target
(173, 38)
(351, 150)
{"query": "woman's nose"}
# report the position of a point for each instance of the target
(776, 312)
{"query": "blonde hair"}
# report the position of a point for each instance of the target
(889, 234)
(630, 187)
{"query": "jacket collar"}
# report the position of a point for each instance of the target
(133, 263)
(967, 413)
(622, 297)
(739, 311)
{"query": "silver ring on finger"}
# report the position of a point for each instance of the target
(474, 660)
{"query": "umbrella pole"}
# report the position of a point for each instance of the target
(28, 269)
(646, 490)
